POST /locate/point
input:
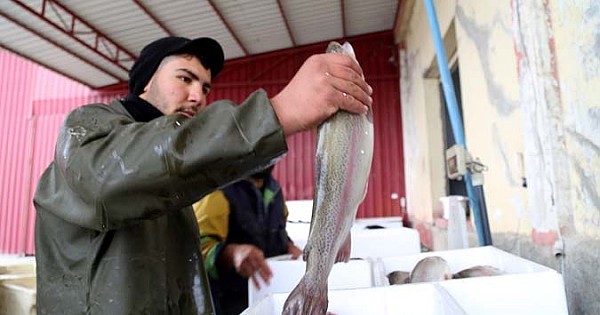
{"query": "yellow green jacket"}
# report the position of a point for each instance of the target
(241, 214)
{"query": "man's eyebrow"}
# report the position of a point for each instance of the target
(195, 77)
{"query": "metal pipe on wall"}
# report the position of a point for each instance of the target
(483, 231)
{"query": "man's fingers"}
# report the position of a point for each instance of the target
(265, 273)
(351, 92)
(357, 102)
(255, 281)
(324, 84)
(350, 71)
(342, 61)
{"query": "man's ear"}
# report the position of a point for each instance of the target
(146, 88)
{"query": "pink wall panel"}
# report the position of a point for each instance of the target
(15, 105)
(34, 101)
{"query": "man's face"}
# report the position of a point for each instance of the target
(179, 85)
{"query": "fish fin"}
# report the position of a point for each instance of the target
(343, 253)
(306, 299)
(306, 252)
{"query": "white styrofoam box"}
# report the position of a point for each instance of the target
(16, 265)
(386, 222)
(17, 295)
(389, 241)
(460, 259)
(386, 242)
(287, 274)
(526, 288)
(516, 294)
(299, 210)
(426, 299)
(298, 232)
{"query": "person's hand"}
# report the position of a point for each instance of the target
(294, 250)
(324, 84)
(248, 261)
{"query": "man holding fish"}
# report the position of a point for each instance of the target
(115, 230)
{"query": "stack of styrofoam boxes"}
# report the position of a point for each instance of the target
(390, 239)
(391, 300)
(17, 286)
(525, 288)
(287, 273)
(374, 237)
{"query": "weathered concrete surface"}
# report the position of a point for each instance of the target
(578, 266)
(530, 78)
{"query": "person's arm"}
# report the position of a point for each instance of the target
(294, 250)
(119, 171)
(212, 214)
(248, 261)
(116, 171)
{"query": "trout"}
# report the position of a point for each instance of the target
(428, 269)
(342, 166)
(478, 271)
(398, 277)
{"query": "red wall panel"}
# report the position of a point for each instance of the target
(271, 71)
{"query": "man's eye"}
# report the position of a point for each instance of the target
(185, 79)
(206, 91)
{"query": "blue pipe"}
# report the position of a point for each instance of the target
(455, 120)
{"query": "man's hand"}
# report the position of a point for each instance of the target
(324, 84)
(248, 261)
(294, 250)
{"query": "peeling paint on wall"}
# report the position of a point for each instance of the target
(580, 56)
(545, 157)
(586, 15)
(550, 79)
(482, 36)
(509, 173)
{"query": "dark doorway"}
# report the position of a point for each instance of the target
(453, 187)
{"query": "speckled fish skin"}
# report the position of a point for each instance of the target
(429, 269)
(342, 167)
(478, 271)
(398, 277)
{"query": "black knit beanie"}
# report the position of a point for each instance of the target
(206, 49)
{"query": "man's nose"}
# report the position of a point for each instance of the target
(197, 96)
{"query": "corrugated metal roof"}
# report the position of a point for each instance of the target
(258, 23)
(372, 15)
(95, 42)
(46, 53)
(313, 21)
